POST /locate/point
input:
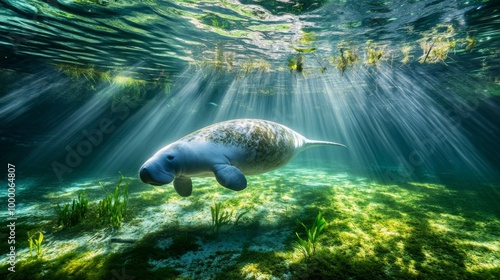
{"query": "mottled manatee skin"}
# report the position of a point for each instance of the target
(254, 146)
(227, 150)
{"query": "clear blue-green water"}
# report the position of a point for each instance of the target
(90, 89)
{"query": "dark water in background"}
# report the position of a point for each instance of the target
(383, 113)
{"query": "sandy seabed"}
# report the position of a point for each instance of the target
(374, 230)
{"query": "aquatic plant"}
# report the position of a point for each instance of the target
(131, 88)
(224, 61)
(437, 43)
(308, 247)
(374, 53)
(436, 50)
(305, 46)
(347, 58)
(471, 43)
(35, 242)
(99, 2)
(112, 207)
(219, 57)
(72, 214)
(300, 64)
(225, 22)
(89, 73)
(258, 65)
(292, 63)
(307, 38)
(221, 217)
(304, 50)
(405, 50)
(296, 64)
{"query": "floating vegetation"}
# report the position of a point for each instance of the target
(89, 73)
(305, 41)
(128, 81)
(221, 217)
(307, 38)
(308, 246)
(99, 2)
(296, 63)
(131, 90)
(267, 91)
(471, 43)
(251, 66)
(437, 43)
(111, 209)
(225, 62)
(304, 50)
(116, 76)
(35, 243)
(405, 50)
(292, 63)
(436, 50)
(220, 59)
(72, 214)
(347, 58)
(300, 64)
(252, 25)
(220, 21)
(294, 7)
(374, 53)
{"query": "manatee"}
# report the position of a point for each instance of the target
(227, 150)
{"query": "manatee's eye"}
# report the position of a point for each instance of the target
(169, 157)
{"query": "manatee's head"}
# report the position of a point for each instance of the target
(162, 167)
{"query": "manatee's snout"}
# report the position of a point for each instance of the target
(155, 175)
(145, 176)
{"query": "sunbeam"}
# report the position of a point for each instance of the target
(393, 127)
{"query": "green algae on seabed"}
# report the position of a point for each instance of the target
(71, 214)
(410, 230)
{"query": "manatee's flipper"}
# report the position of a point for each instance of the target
(230, 177)
(183, 186)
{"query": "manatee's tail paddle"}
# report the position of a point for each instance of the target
(314, 143)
